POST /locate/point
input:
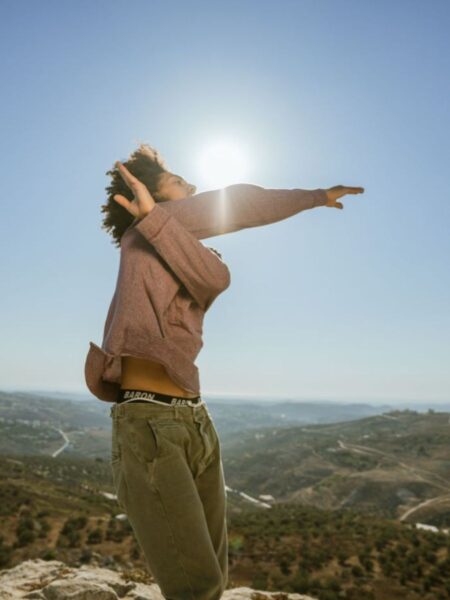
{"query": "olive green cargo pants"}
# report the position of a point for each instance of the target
(168, 476)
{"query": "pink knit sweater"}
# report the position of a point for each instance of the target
(168, 279)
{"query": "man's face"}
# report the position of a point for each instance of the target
(173, 187)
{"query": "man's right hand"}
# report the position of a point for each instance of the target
(142, 202)
(338, 191)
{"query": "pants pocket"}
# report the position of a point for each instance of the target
(211, 442)
(140, 436)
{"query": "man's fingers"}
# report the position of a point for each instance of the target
(121, 200)
(130, 207)
(129, 179)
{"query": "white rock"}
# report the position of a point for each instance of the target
(54, 580)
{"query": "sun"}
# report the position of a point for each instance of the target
(223, 163)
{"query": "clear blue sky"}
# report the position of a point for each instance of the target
(350, 304)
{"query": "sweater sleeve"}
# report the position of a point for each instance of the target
(199, 269)
(240, 206)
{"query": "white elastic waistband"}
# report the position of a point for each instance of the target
(175, 402)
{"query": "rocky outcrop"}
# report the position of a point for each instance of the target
(54, 580)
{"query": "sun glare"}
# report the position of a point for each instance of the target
(223, 163)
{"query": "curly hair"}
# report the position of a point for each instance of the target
(147, 165)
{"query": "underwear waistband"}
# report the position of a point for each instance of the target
(134, 395)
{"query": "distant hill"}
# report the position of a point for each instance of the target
(395, 465)
(33, 423)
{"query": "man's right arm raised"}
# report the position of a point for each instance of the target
(240, 206)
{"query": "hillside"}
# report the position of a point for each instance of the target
(394, 465)
(64, 509)
(331, 509)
